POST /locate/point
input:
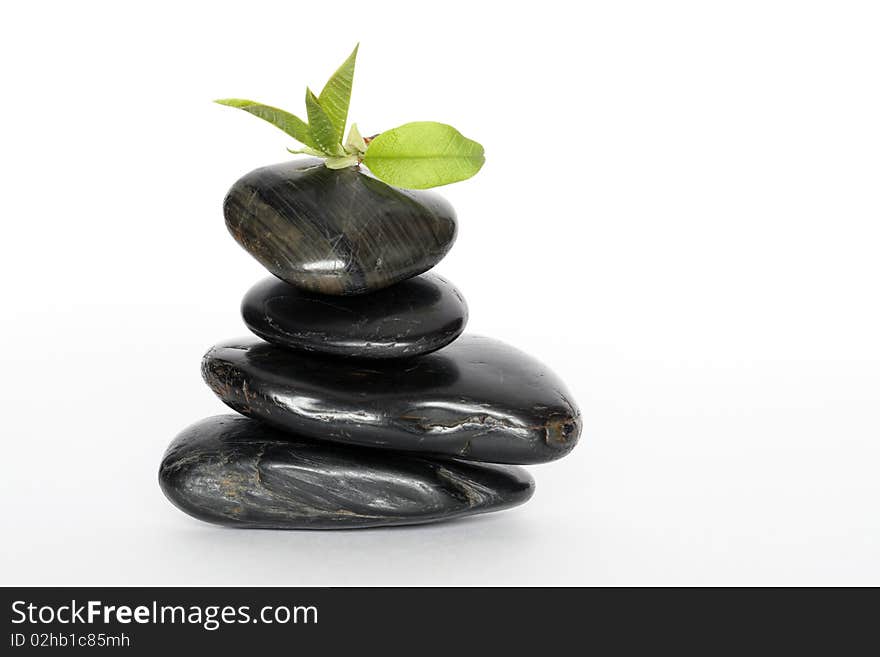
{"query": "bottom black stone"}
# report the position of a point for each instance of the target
(236, 471)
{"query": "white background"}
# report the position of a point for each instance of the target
(679, 214)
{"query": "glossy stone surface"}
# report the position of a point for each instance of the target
(236, 471)
(476, 399)
(411, 318)
(337, 232)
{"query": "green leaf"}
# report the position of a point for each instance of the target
(292, 125)
(423, 154)
(355, 143)
(321, 127)
(336, 95)
(307, 151)
(341, 162)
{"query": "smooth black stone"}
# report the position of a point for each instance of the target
(414, 317)
(337, 232)
(476, 399)
(236, 471)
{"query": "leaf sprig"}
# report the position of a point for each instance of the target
(415, 155)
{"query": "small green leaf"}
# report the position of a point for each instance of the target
(292, 125)
(336, 95)
(307, 151)
(355, 143)
(320, 126)
(423, 154)
(341, 162)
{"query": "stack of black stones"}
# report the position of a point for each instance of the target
(361, 404)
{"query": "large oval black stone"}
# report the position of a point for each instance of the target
(411, 318)
(337, 232)
(236, 471)
(476, 399)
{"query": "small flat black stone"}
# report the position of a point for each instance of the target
(414, 317)
(239, 472)
(476, 399)
(337, 232)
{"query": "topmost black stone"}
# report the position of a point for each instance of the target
(337, 231)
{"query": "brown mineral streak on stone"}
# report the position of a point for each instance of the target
(559, 430)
